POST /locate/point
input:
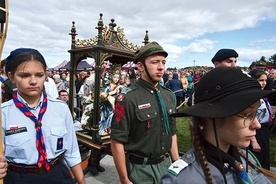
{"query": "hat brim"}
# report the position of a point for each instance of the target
(225, 107)
(150, 54)
(158, 52)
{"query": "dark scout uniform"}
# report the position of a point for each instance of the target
(138, 123)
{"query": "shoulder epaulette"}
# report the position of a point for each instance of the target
(7, 103)
(128, 89)
(177, 166)
(182, 163)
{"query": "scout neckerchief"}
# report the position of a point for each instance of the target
(42, 154)
(164, 111)
(230, 159)
(268, 108)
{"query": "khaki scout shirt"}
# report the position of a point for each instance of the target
(138, 121)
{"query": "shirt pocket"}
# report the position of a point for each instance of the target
(170, 110)
(147, 121)
(58, 139)
(17, 145)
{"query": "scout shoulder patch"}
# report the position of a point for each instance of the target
(177, 166)
(119, 112)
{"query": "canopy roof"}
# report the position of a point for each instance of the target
(82, 65)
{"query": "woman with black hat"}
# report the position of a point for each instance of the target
(223, 121)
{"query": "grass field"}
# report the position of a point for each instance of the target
(184, 142)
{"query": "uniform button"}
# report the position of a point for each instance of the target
(151, 92)
(148, 115)
(162, 148)
(189, 156)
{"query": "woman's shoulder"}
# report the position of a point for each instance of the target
(7, 104)
(187, 169)
(254, 172)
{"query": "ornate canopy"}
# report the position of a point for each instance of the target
(109, 44)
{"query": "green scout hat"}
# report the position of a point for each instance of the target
(147, 50)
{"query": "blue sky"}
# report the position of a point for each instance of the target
(260, 39)
(188, 30)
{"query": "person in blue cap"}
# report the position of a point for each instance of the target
(225, 57)
(38, 131)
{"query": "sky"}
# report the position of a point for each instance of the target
(190, 31)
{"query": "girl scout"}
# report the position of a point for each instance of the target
(38, 131)
(223, 121)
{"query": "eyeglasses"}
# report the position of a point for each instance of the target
(248, 119)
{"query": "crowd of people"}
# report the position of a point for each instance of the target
(230, 112)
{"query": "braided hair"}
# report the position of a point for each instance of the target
(197, 139)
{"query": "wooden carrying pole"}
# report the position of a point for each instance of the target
(4, 24)
(3, 34)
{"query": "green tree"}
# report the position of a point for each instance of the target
(272, 60)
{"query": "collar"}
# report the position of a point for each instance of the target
(228, 159)
(147, 85)
(21, 99)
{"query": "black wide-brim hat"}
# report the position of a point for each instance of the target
(224, 92)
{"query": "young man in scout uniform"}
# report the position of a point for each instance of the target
(143, 135)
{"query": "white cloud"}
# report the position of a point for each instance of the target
(177, 25)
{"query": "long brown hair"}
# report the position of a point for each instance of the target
(197, 139)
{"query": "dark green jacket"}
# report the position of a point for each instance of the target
(138, 120)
